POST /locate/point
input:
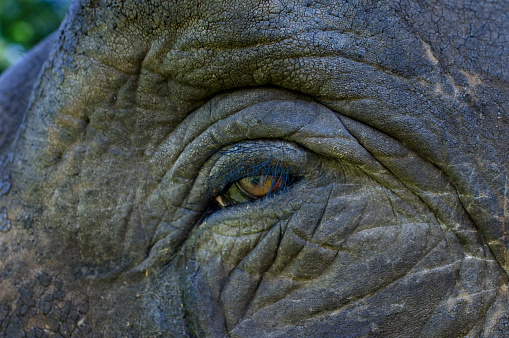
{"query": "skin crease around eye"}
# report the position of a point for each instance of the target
(250, 188)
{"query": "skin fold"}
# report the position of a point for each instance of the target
(386, 121)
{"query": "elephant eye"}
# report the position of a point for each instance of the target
(253, 170)
(252, 188)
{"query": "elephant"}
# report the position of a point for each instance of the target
(268, 168)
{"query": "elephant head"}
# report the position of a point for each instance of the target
(258, 168)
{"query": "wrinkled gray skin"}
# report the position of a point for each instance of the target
(119, 131)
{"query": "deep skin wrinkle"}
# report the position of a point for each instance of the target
(393, 118)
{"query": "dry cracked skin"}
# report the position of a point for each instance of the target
(258, 168)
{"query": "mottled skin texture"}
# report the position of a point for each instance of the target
(118, 131)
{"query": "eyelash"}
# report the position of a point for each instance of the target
(231, 173)
(273, 180)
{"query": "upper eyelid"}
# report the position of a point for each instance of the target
(264, 169)
(264, 161)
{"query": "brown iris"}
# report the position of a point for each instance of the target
(260, 186)
(250, 188)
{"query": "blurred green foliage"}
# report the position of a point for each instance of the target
(23, 23)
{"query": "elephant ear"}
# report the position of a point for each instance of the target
(16, 85)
